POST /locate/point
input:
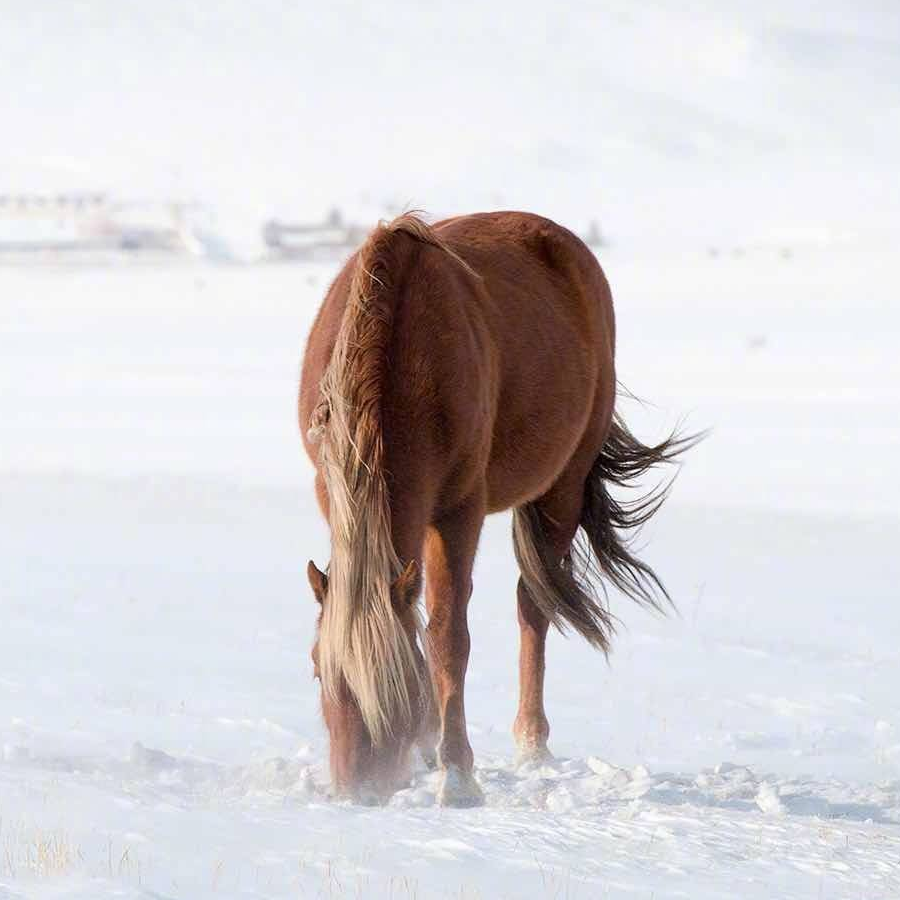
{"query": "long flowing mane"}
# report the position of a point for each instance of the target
(361, 641)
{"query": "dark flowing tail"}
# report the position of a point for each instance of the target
(571, 592)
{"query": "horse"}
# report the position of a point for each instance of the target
(456, 370)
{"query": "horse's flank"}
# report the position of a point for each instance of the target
(362, 641)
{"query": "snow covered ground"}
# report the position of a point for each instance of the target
(158, 722)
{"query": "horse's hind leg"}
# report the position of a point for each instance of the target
(558, 512)
(449, 554)
(531, 727)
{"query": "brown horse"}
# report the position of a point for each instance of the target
(453, 371)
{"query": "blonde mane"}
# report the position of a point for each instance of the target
(361, 639)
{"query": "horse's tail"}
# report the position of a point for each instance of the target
(362, 643)
(566, 591)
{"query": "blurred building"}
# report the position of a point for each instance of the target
(328, 239)
(41, 225)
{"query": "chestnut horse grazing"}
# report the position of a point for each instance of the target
(453, 371)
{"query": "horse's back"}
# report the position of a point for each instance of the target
(494, 378)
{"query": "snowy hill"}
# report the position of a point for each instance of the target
(725, 122)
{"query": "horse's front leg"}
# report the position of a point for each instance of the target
(449, 553)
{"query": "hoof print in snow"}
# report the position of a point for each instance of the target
(148, 758)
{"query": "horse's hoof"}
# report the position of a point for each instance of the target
(533, 754)
(429, 758)
(459, 789)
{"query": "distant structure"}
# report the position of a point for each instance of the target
(59, 225)
(594, 237)
(330, 238)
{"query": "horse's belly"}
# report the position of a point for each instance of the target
(531, 448)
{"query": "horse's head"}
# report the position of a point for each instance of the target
(362, 768)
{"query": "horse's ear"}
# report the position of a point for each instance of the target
(405, 590)
(318, 581)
